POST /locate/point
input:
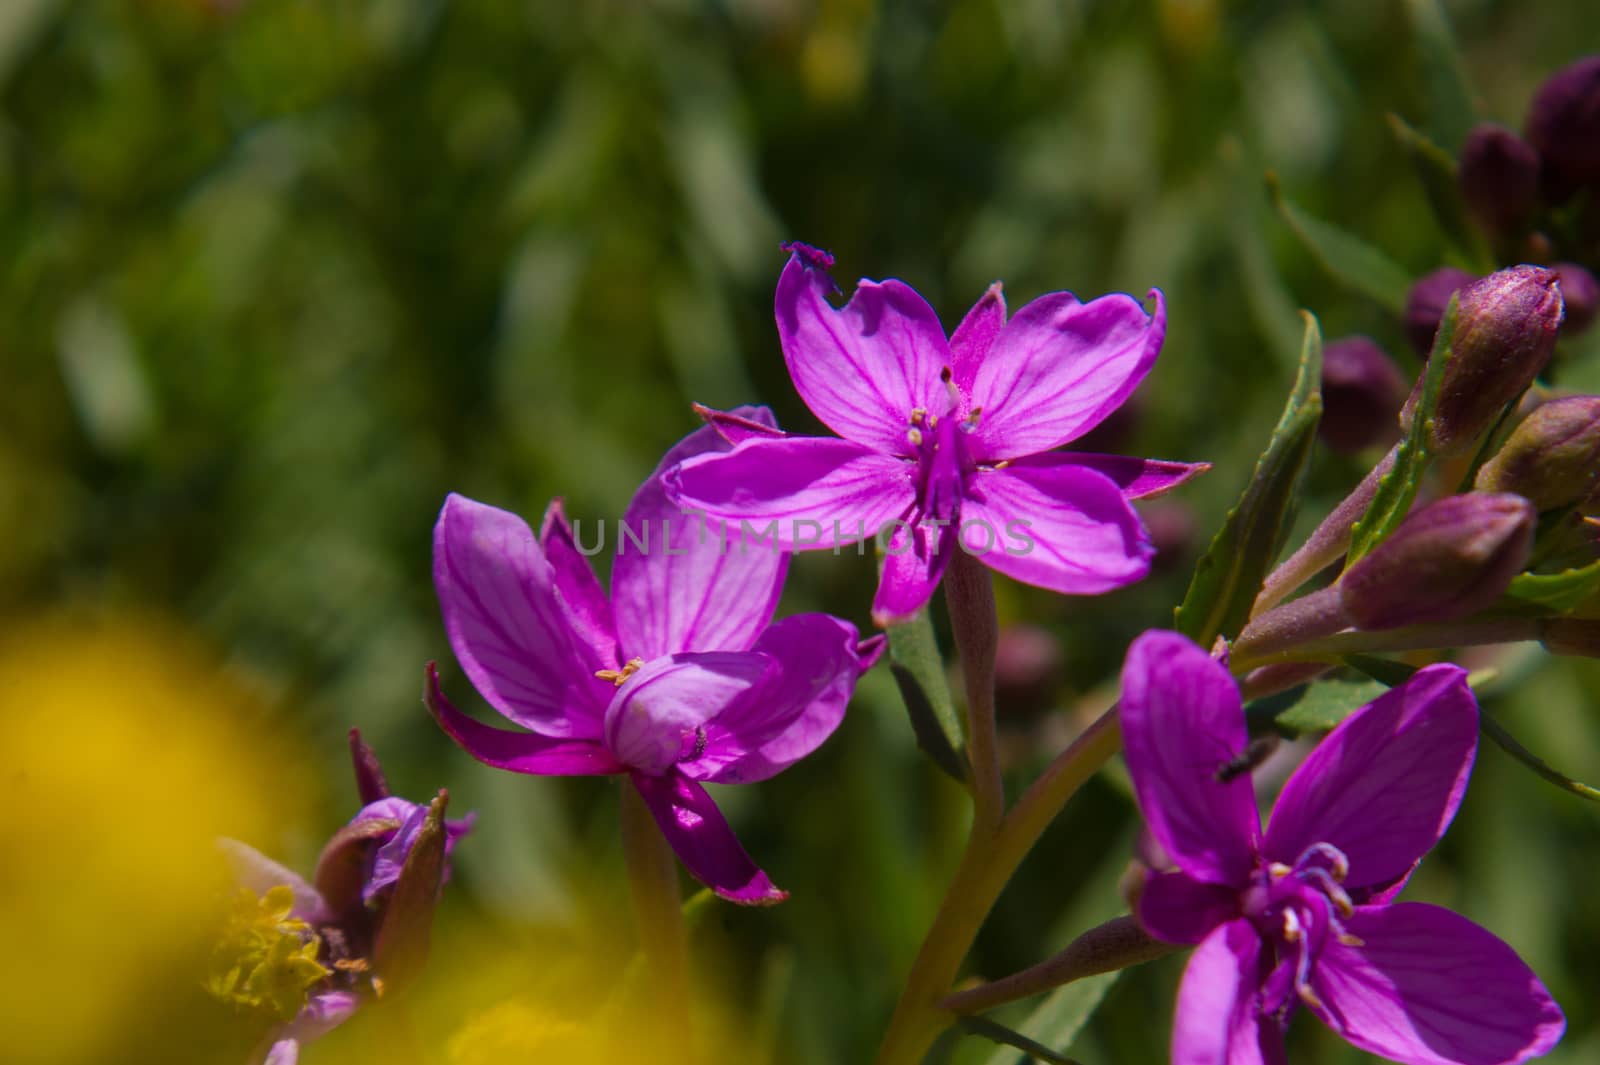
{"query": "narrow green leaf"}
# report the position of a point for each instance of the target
(919, 672)
(1436, 169)
(1398, 489)
(1314, 707)
(1451, 112)
(1229, 575)
(999, 1033)
(1347, 258)
(1555, 593)
(1271, 305)
(1496, 732)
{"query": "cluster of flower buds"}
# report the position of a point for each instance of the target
(297, 959)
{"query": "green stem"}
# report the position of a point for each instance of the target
(657, 910)
(1411, 638)
(987, 865)
(969, 595)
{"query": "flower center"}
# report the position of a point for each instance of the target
(266, 958)
(620, 676)
(938, 446)
(1295, 908)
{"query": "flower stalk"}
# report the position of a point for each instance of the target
(969, 594)
(1117, 944)
(658, 913)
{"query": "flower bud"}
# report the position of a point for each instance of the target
(1580, 294)
(1553, 458)
(1027, 669)
(1362, 392)
(1505, 330)
(1499, 178)
(1564, 125)
(1449, 560)
(1426, 303)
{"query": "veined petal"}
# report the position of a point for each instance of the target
(1217, 1022)
(658, 717)
(798, 703)
(1384, 785)
(1429, 987)
(914, 560)
(1058, 368)
(588, 610)
(798, 493)
(1055, 525)
(1178, 909)
(516, 752)
(1138, 478)
(970, 343)
(865, 367)
(704, 842)
(681, 584)
(323, 1012)
(507, 624)
(1182, 720)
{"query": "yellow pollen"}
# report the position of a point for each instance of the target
(915, 436)
(1351, 941)
(1279, 870)
(1291, 928)
(917, 414)
(1002, 464)
(618, 676)
(1309, 997)
(972, 418)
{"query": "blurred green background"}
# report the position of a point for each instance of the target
(277, 275)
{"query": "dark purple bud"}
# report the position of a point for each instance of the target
(1564, 125)
(1580, 293)
(370, 782)
(1362, 392)
(1447, 561)
(1499, 177)
(1426, 303)
(1171, 525)
(1027, 669)
(1553, 458)
(1505, 330)
(401, 949)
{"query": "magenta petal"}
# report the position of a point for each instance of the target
(518, 752)
(1429, 987)
(705, 844)
(1058, 368)
(1384, 785)
(680, 583)
(914, 559)
(1175, 908)
(1216, 1022)
(587, 608)
(797, 704)
(507, 624)
(1055, 525)
(970, 343)
(658, 717)
(1181, 720)
(1138, 478)
(861, 369)
(798, 493)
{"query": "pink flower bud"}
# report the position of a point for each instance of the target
(1553, 458)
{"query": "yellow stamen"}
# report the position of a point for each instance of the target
(1279, 870)
(917, 414)
(915, 436)
(618, 676)
(1309, 997)
(1351, 940)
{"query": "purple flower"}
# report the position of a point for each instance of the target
(1304, 914)
(309, 954)
(948, 442)
(680, 677)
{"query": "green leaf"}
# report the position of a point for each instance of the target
(1229, 575)
(1554, 593)
(1314, 707)
(1398, 489)
(1347, 258)
(1436, 169)
(999, 1033)
(1451, 113)
(919, 672)
(1496, 732)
